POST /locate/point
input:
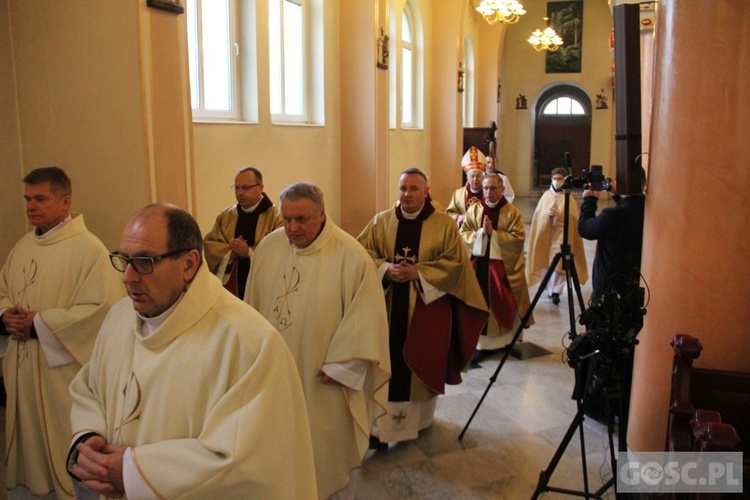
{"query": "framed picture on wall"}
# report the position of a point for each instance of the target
(567, 20)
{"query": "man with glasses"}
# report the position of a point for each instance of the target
(230, 244)
(55, 289)
(193, 394)
(494, 233)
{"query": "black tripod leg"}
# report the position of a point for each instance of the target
(509, 347)
(545, 475)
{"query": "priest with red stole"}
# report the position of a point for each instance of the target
(230, 244)
(493, 231)
(435, 306)
(473, 163)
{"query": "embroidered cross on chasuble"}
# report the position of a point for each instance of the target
(406, 249)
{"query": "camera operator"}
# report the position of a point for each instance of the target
(618, 232)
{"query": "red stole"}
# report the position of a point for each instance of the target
(492, 277)
(441, 337)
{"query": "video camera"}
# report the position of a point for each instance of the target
(590, 179)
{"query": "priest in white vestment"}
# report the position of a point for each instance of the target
(55, 289)
(318, 287)
(189, 393)
(546, 238)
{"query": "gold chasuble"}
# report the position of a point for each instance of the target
(431, 338)
(506, 246)
(461, 200)
(253, 226)
(546, 236)
(210, 403)
(65, 276)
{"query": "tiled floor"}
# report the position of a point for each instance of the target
(513, 436)
(515, 432)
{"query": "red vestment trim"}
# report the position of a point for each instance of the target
(443, 333)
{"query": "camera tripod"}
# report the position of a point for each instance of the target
(605, 384)
(572, 283)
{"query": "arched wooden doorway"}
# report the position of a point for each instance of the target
(562, 124)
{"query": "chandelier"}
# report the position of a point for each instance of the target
(545, 40)
(501, 11)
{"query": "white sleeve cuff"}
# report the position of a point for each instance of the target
(480, 244)
(429, 293)
(349, 373)
(54, 352)
(135, 485)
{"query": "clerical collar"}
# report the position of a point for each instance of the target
(251, 209)
(150, 325)
(406, 215)
(490, 204)
(556, 191)
(54, 229)
(475, 192)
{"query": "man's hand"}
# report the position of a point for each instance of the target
(403, 272)
(18, 322)
(553, 211)
(99, 466)
(588, 192)
(239, 247)
(487, 225)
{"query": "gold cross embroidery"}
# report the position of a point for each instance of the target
(405, 257)
(398, 418)
(282, 309)
(29, 276)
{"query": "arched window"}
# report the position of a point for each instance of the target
(406, 75)
(563, 105)
(468, 94)
(407, 69)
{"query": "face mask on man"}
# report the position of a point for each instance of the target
(557, 185)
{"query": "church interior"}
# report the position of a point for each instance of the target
(111, 92)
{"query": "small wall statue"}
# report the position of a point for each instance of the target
(601, 101)
(521, 102)
(383, 49)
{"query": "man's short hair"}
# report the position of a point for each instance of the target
(559, 170)
(304, 190)
(57, 178)
(258, 175)
(493, 175)
(183, 232)
(415, 170)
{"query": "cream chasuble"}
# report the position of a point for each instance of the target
(506, 244)
(546, 236)
(444, 265)
(327, 302)
(67, 278)
(210, 403)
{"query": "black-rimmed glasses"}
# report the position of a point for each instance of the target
(141, 265)
(245, 187)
